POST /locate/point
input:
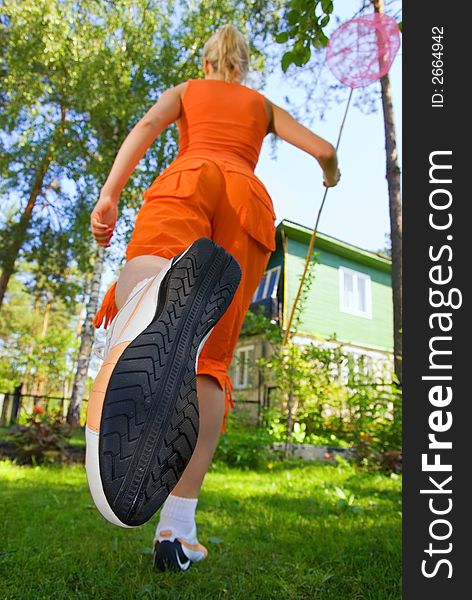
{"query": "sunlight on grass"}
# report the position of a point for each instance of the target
(311, 531)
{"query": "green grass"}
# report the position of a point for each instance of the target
(284, 533)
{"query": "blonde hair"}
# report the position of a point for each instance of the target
(228, 53)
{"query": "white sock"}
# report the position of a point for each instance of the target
(177, 519)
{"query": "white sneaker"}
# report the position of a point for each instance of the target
(142, 419)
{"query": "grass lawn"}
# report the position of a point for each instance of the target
(283, 533)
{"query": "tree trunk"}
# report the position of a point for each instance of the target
(395, 207)
(41, 380)
(29, 351)
(17, 233)
(86, 341)
(17, 402)
(47, 312)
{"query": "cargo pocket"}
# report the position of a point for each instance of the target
(174, 182)
(256, 214)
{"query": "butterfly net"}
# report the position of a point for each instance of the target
(363, 49)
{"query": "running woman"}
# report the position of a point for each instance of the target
(199, 248)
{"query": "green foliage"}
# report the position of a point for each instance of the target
(42, 439)
(37, 343)
(256, 323)
(277, 425)
(51, 266)
(326, 395)
(303, 26)
(93, 71)
(243, 445)
(16, 327)
(338, 398)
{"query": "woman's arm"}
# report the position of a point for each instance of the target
(290, 130)
(164, 112)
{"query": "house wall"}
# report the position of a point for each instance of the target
(251, 397)
(322, 314)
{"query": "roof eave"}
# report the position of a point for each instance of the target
(331, 244)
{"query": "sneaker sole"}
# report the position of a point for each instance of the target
(149, 420)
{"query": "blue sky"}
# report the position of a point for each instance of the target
(356, 210)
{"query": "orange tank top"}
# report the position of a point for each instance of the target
(222, 120)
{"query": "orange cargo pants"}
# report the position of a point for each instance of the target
(206, 197)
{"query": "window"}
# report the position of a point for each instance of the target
(268, 285)
(244, 362)
(355, 293)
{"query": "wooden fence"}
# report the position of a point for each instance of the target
(13, 405)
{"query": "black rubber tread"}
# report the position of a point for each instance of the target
(149, 423)
(165, 556)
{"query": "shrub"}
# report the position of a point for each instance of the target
(369, 452)
(42, 439)
(244, 444)
(327, 396)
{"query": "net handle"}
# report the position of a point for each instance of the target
(311, 246)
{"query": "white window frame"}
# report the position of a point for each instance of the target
(356, 275)
(246, 378)
(267, 276)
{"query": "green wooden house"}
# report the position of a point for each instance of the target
(349, 303)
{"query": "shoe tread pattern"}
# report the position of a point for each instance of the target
(149, 422)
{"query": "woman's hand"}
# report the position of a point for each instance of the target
(103, 219)
(332, 181)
